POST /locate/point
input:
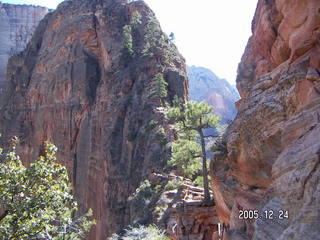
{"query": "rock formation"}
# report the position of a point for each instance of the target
(204, 85)
(273, 159)
(176, 204)
(17, 24)
(84, 82)
(191, 221)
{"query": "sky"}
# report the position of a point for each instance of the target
(208, 33)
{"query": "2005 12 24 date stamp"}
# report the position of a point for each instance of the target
(267, 214)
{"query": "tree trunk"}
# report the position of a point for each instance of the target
(207, 197)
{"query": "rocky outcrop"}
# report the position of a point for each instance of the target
(177, 206)
(192, 220)
(17, 24)
(273, 160)
(84, 83)
(205, 86)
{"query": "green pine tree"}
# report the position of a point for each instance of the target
(191, 119)
(36, 202)
(186, 157)
(128, 40)
(159, 87)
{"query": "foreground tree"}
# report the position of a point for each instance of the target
(36, 202)
(186, 157)
(191, 119)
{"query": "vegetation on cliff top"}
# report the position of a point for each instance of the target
(37, 202)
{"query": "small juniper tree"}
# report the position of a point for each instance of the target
(128, 41)
(136, 19)
(159, 87)
(191, 119)
(36, 202)
(172, 37)
(154, 44)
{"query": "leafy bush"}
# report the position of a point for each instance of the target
(150, 232)
(135, 19)
(154, 39)
(199, 181)
(143, 193)
(158, 188)
(151, 125)
(173, 184)
(127, 38)
(161, 136)
(37, 202)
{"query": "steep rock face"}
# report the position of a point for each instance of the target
(191, 221)
(17, 24)
(204, 85)
(273, 145)
(84, 83)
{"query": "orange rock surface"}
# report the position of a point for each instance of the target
(76, 86)
(273, 160)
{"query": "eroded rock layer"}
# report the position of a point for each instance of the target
(85, 83)
(273, 160)
(204, 85)
(17, 24)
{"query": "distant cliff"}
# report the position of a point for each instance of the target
(85, 82)
(206, 86)
(17, 24)
(273, 160)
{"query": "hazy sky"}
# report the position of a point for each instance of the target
(209, 33)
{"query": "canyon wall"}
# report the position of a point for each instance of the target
(204, 85)
(85, 83)
(273, 159)
(17, 24)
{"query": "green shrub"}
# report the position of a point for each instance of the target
(150, 232)
(173, 184)
(135, 19)
(154, 39)
(151, 125)
(127, 38)
(143, 193)
(199, 181)
(161, 136)
(158, 188)
(37, 202)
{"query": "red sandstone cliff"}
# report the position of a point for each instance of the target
(17, 24)
(78, 85)
(204, 85)
(273, 160)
